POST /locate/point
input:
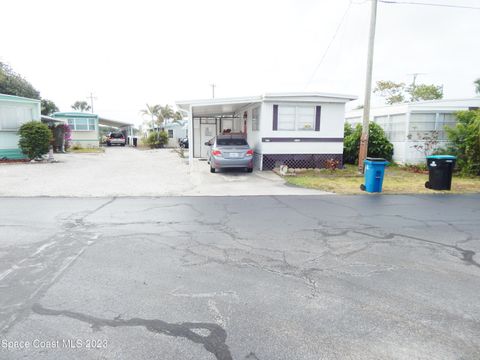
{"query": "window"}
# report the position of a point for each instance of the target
(256, 119)
(231, 141)
(444, 120)
(12, 117)
(82, 124)
(91, 124)
(170, 134)
(397, 128)
(296, 118)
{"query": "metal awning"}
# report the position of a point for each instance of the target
(113, 123)
(51, 120)
(217, 107)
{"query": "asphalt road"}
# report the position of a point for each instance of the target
(326, 277)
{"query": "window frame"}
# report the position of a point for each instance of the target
(296, 117)
(256, 111)
(91, 124)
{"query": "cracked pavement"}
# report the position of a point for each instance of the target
(265, 277)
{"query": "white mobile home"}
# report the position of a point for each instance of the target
(175, 131)
(301, 130)
(405, 124)
(15, 111)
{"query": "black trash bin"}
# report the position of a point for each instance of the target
(440, 169)
(134, 141)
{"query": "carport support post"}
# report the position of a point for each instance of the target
(190, 137)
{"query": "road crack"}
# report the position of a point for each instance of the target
(214, 342)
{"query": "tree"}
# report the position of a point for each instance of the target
(477, 86)
(48, 107)
(81, 106)
(153, 111)
(391, 91)
(177, 116)
(35, 139)
(395, 93)
(12, 83)
(464, 141)
(425, 92)
(159, 114)
(378, 144)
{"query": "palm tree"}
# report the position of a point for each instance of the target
(153, 111)
(166, 112)
(81, 105)
(177, 116)
(477, 86)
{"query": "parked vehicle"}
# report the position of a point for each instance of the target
(229, 151)
(183, 143)
(116, 139)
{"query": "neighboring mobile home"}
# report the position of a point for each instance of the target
(83, 127)
(301, 130)
(175, 131)
(15, 111)
(405, 124)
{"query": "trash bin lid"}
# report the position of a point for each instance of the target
(442, 157)
(375, 159)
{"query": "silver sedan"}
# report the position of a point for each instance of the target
(229, 151)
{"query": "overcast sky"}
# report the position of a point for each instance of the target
(129, 53)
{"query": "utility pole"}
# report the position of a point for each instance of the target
(362, 154)
(91, 97)
(213, 90)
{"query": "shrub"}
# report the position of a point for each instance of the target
(35, 139)
(67, 136)
(378, 144)
(157, 139)
(464, 142)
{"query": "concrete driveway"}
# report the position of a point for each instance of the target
(201, 278)
(133, 172)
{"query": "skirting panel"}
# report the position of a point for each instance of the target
(299, 161)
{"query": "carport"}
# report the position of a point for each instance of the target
(208, 118)
(125, 128)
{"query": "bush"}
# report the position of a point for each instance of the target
(378, 144)
(157, 139)
(35, 139)
(464, 142)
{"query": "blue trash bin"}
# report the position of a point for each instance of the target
(374, 172)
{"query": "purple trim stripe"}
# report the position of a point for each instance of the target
(275, 117)
(300, 139)
(318, 111)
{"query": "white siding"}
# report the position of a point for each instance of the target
(331, 126)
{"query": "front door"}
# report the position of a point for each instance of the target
(207, 132)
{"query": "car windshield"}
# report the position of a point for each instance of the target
(117, 136)
(231, 142)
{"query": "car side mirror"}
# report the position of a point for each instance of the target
(207, 143)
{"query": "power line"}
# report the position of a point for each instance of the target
(329, 44)
(428, 4)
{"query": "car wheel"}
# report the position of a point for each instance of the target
(123, 144)
(249, 170)
(212, 169)
(108, 144)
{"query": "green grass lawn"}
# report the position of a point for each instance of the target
(397, 181)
